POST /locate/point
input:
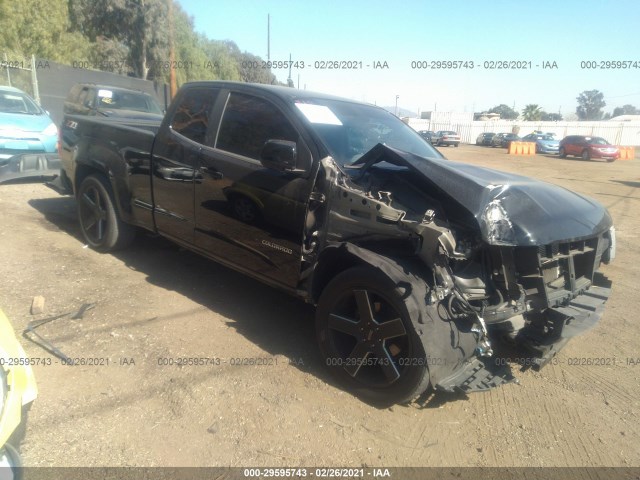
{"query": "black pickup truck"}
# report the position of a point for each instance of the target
(417, 265)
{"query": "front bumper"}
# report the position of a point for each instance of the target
(538, 342)
(547, 149)
(565, 322)
(27, 165)
(600, 154)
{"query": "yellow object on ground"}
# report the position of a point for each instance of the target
(522, 148)
(627, 153)
(20, 387)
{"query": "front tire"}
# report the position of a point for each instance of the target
(586, 155)
(100, 222)
(367, 337)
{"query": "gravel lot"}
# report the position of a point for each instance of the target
(154, 302)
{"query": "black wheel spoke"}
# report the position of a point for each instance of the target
(364, 306)
(387, 364)
(391, 329)
(344, 325)
(357, 358)
(88, 201)
(90, 222)
(100, 230)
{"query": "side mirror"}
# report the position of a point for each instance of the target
(280, 155)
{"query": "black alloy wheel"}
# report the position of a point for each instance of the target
(367, 337)
(100, 223)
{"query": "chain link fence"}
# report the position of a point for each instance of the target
(49, 82)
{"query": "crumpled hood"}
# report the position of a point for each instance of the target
(509, 209)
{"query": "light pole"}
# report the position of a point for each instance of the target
(397, 97)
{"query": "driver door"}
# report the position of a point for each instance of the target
(246, 215)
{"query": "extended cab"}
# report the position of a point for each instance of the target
(416, 263)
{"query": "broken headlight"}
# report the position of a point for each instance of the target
(499, 229)
(610, 253)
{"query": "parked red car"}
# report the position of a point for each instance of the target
(588, 148)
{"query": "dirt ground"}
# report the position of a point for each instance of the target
(154, 302)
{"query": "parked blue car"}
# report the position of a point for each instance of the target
(28, 137)
(544, 143)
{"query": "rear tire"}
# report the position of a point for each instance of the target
(100, 222)
(367, 337)
(562, 153)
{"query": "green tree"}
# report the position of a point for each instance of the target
(625, 110)
(40, 28)
(139, 25)
(590, 105)
(505, 111)
(550, 117)
(531, 112)
(220, 60)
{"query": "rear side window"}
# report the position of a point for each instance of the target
(191, 118)
(248, 122)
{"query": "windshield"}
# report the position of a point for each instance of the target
(598, 141)
(120, 100)
(546, 138)
(16, 102)
(349, 130)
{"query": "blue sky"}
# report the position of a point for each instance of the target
(565, 32)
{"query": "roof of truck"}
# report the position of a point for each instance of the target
(281, 91)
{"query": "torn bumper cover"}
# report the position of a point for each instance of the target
(27, 165)
(563, 323)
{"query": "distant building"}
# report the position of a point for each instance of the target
(484, 116)
(625, 118)
(458, 117)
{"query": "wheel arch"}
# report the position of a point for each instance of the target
(449, 343)
(120, 191)
(338, 257)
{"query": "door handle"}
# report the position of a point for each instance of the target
(212, 172)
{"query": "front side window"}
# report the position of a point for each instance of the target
(248, 122)
(191, 118)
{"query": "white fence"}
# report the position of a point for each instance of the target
(617, 133)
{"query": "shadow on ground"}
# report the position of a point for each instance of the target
(273, 320)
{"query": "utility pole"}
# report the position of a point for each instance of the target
(290, 80)
(173, 85)
(268, 36)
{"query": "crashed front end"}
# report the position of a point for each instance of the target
(509, 257)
